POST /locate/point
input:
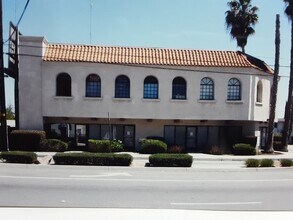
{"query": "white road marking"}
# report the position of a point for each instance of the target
(100, 175)
(216, 203)
(82, 178)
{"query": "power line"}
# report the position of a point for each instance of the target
(23, 11)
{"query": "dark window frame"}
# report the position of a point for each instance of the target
(207, 89)
(122, 87)
(179, 88)
(93, 86)
(63, 85)
(234, 90)
(150, 88)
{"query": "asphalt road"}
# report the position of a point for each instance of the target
(151, 188)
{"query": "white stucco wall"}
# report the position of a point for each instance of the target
(164, 107)
(38, 91)
(30, 82)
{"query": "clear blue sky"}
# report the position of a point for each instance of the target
(190, 24)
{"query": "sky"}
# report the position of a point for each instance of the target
(184, 24)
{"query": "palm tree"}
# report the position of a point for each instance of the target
(269, 144)
(288, 109)
(240, 20)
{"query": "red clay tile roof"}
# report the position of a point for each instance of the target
(148, 56)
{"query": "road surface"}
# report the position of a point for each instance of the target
(146, 188)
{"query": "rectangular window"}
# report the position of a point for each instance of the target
(202, 133)
(213, 136)
(94, 132)
(180, 135)
(150, 91)
(169, 135)
(93, 89)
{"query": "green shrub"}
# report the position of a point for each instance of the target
(149, 146)
(251, 140)
(171, 160)
(175, 149)
(95, 159)
(277, 145)
(243, 149)
(19, 157)
(116, 146)
(104, 146)
(26, 140)
(266, 163)
(54, 145)
(100, 146)
(252, 163)
(286, 163)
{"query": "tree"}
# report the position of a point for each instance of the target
(240, 20)
(9, 113)
(288, 108)
(269, 144)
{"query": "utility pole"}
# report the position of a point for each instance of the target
(3, 131)
(269, 145)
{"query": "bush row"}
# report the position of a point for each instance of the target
(26, 140)
(104, 146)
(243, 149)
(19, 157)
(171, 160)
(33, 140)
(259, 163)
(151, 146)
(94, 159)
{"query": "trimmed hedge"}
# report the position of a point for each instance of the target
(26, 140)
(251, 140)
(54, 145)
(149, 146)
(171, 160)
(104, 146)
(266, 163)
(93, 159)
(19, 157)
(286, 163)
(252, 163)
(243, 149)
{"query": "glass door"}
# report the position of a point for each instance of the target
(191, 138)
(129, 137)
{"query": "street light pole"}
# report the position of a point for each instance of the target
(3, 131)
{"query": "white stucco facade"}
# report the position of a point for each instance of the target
(39, 103)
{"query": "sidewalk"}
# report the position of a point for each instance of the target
(139, 160)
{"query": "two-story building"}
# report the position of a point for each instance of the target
(192, 98)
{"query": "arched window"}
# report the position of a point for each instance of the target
(150, 88)
(93, 86)
(259, 92)
(234, 89)
(122, 87)
(63, 85)
(206, 89)
(179, 88)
